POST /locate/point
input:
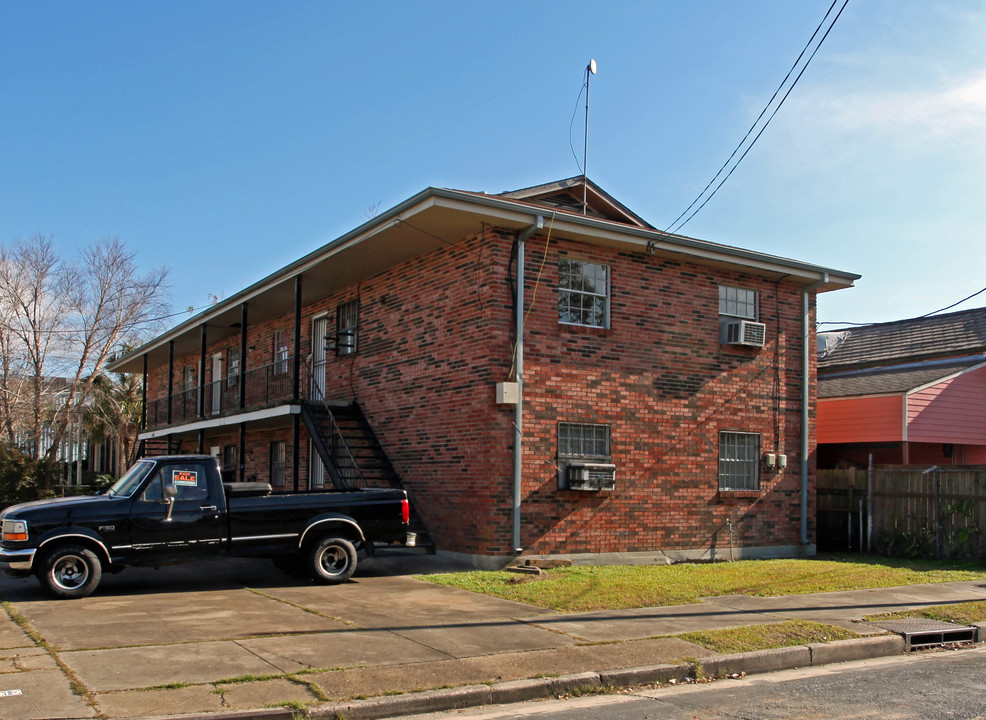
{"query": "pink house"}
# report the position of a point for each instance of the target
(907, 392)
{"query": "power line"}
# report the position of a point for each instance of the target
(933, 312)
(675, 226)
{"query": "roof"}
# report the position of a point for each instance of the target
(894, 380)
(436, 217)
(567, 195)
(939, 336)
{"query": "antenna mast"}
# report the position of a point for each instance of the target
(590, 69)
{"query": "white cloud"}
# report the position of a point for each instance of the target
(953, 112)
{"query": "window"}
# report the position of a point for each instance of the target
(188, 479)
(233, 378)
(583, 293)
(347, 318)
(277, 462)
(189, 378)
(737, 302)
(583, 441)
(281, 352)
(230, 463)
(739, 461)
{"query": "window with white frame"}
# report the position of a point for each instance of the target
(189, 379)
(583, 293)
(583, 441)
(739, 461)
(738, 303)
(347, 317)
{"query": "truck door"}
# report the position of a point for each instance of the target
(178, 524)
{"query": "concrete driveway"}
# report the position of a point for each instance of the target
(239, 635)
(189, 627)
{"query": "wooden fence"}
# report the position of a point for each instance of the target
(903, 511)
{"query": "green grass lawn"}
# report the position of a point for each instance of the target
(601, 587)
(959, 613)
(763, 637)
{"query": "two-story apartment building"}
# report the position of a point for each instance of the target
(542, 370)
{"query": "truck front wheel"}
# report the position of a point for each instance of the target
(70, 571)
(332, 560)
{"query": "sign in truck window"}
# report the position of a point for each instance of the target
(187, 478)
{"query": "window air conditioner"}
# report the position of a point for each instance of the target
(744, 332)
(590, 476)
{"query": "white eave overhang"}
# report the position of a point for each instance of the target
(436, 217)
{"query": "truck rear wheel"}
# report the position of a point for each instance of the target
(70, 571)
(332, 560)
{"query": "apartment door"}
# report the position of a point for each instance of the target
(320, 328)
(217, 383)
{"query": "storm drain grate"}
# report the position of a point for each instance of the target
(922, 633)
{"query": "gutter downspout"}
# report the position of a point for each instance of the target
(805, 405)
(522, 238)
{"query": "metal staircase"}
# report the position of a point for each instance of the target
(147, 448)
(352, 454)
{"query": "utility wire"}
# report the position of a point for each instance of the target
(933, 312)
(676, 225)
(571, 124)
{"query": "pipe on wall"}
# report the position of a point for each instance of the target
(522, 238)
(806, 349)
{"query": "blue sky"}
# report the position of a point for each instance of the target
(226, 139)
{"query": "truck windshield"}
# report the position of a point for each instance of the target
(131, 479)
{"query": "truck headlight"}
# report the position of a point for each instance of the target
(14, 530)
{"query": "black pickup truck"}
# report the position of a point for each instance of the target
(176, 509)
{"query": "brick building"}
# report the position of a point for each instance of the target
(657, 398)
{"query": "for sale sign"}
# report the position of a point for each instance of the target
(189, 478)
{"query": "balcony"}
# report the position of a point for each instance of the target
(265, 386)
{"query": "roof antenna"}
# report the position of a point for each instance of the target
(590, 69)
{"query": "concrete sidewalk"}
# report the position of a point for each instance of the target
(240, 639)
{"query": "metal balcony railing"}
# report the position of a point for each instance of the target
(265, 386)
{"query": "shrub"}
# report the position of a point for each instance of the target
(22, 478)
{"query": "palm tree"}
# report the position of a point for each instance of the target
(113, 415)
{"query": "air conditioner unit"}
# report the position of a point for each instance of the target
(744, 332)
(591, 477)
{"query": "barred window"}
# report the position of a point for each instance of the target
(583, 293)
(281, 352)
(278, 456)
(739, 461)
(233, 375)
(581, 440)
(347, 319)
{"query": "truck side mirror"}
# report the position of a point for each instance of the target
(170, 493)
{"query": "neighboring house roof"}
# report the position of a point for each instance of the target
(436, 217)
(893, 380)
(939, 336)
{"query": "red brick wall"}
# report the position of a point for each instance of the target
(436, 334)
(434, 337)
(666, 386)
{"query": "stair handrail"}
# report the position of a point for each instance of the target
(317, 399)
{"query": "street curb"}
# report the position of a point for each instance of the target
(856, 649)
(514, 691)
(405, 704)
(665, 674)
(752, 663)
